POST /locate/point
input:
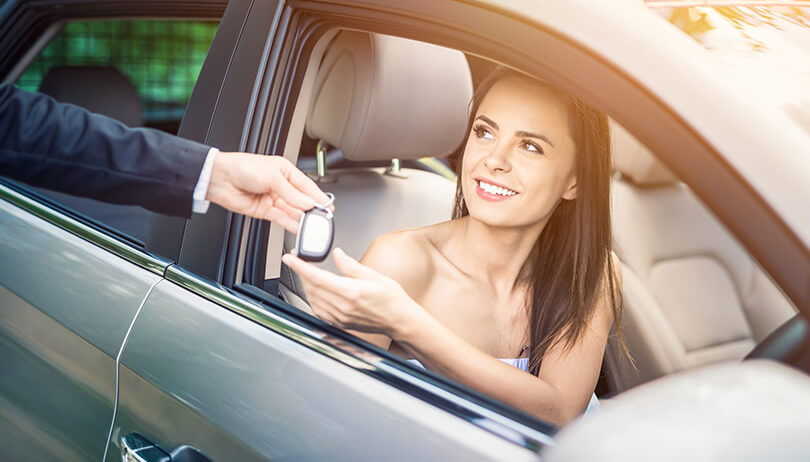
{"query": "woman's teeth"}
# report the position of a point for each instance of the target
(492, 189)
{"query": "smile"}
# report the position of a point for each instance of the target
(493, 192)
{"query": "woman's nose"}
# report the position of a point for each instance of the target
(498, 158)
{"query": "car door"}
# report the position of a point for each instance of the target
(70, 284)
(68, 294)
(216, 361)
(246, 377)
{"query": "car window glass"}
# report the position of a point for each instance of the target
(140, 72)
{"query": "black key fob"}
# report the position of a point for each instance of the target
(316, 231)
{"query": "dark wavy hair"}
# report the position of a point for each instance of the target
(572, 264)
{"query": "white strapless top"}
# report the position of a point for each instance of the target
(523, 364)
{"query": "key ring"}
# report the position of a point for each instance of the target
(325, 207)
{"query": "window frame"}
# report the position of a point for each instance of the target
(27, 30)
(316, 18)
(512, 424)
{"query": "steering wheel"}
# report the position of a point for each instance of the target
(790, 343)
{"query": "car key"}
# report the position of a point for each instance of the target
(316, 231)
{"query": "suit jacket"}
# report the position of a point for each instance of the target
(63, 147)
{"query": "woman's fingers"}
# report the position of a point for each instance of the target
(351, 267)
(326, 304)
(314, 275)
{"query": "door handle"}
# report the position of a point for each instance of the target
(136, 448)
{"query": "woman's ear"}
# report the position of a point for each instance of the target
(571, 193)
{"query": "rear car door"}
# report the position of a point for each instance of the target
(70, 282)
(68, 294)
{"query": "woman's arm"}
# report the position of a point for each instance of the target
(369, 301)
(402, 258)
(559, 394)
(567, 376)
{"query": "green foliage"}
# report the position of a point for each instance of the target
(162, 58)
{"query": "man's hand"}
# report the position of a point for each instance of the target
(266, 187)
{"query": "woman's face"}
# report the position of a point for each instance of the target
(519, 158)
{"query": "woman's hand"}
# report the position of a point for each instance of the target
(362, 300)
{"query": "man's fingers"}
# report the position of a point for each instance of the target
(291, 212)
(283, 189)
(303, 183)
(279, 216)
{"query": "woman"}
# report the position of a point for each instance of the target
(524, 272)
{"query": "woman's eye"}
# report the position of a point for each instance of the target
(531, 147)
(483, 133)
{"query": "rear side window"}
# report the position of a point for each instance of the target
(161, 58)
(141, 72)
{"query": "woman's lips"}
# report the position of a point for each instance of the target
(490, 196)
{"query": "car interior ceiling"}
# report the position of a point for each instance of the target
(691, 298)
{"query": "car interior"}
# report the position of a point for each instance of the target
(366, 104)
(692, 295)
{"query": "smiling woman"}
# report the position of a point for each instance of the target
(523, 273)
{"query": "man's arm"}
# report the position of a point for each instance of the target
(66, 148)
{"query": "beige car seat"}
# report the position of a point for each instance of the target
(691, 294)
(377, 98)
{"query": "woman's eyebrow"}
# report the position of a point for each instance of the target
(525, 134)
(488, 120)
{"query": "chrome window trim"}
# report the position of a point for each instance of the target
(364, 362)
(141, 258)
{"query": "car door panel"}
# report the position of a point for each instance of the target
(65, 305)
(194, 372)
(51, 381)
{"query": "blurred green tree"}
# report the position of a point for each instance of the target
(162, 58)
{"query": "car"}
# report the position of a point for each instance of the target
(189, 340)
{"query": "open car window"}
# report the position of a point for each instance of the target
(140, 72)
(665, 273)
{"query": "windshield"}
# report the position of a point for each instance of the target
(765, 46)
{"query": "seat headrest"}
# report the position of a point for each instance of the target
(634, 161)
(104, 90)
(379, 97)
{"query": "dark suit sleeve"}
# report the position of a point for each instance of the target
(63, 147)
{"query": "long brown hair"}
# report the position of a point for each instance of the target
(572, 265)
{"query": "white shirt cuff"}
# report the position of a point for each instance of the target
(199, 204)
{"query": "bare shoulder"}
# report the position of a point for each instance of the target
(403, 256)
